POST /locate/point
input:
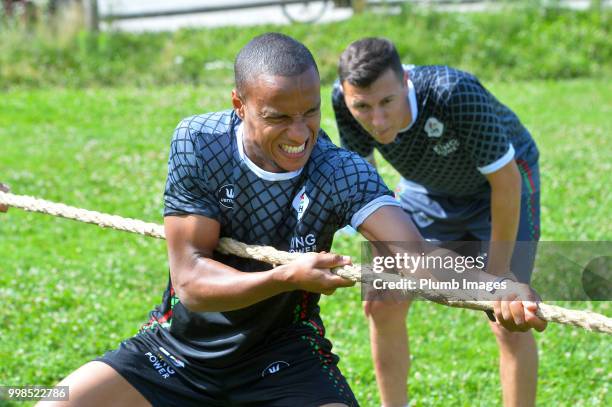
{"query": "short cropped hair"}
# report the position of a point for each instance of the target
(271, 54)
(365, 60)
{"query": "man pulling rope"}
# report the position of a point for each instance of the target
(232, 330)
(584, 319)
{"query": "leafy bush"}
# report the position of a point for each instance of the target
(527, 43)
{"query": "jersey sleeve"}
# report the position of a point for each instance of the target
(353, 137)
(187, 186)
(358, 191)
(476, 120)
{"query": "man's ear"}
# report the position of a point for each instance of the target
(405, 82)
(238, 104)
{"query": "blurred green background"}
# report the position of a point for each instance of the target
(86, 119)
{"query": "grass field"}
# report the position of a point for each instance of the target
(71, 291)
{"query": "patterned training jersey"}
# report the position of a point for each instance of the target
(210, 175)
(459, 133)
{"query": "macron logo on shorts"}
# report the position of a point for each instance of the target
(274, 367)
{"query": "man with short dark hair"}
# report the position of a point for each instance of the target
(469, 173)
(234, 331)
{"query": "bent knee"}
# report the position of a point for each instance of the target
(96, 383)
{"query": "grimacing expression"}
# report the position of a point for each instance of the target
(282, 118)
(382, 108)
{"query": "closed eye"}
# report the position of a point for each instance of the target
(276, 119)
(312, 112)
(361, 107)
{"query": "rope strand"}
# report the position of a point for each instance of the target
(585, 319)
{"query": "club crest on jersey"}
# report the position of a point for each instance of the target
(434, 127)
(226, 195)
(300, 203)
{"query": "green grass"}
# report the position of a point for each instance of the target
(71, 291)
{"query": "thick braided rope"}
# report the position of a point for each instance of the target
(584, 319)
(32, 204)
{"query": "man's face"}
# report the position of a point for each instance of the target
(381, 108)
(282, 117)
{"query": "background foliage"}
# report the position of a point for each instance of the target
(87, 120)
(525, 43)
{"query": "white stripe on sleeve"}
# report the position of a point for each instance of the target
(496, 165)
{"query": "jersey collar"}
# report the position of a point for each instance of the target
(261, 173)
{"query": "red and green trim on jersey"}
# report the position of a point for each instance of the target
(165, 320)
(315, 340)
(529, 183)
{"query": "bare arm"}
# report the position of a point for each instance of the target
(203, 284)
(505, 212)
(392, 224)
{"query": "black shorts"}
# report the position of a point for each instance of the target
(291, 371)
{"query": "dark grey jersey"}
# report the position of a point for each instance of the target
(210, 175)
(460, 132)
